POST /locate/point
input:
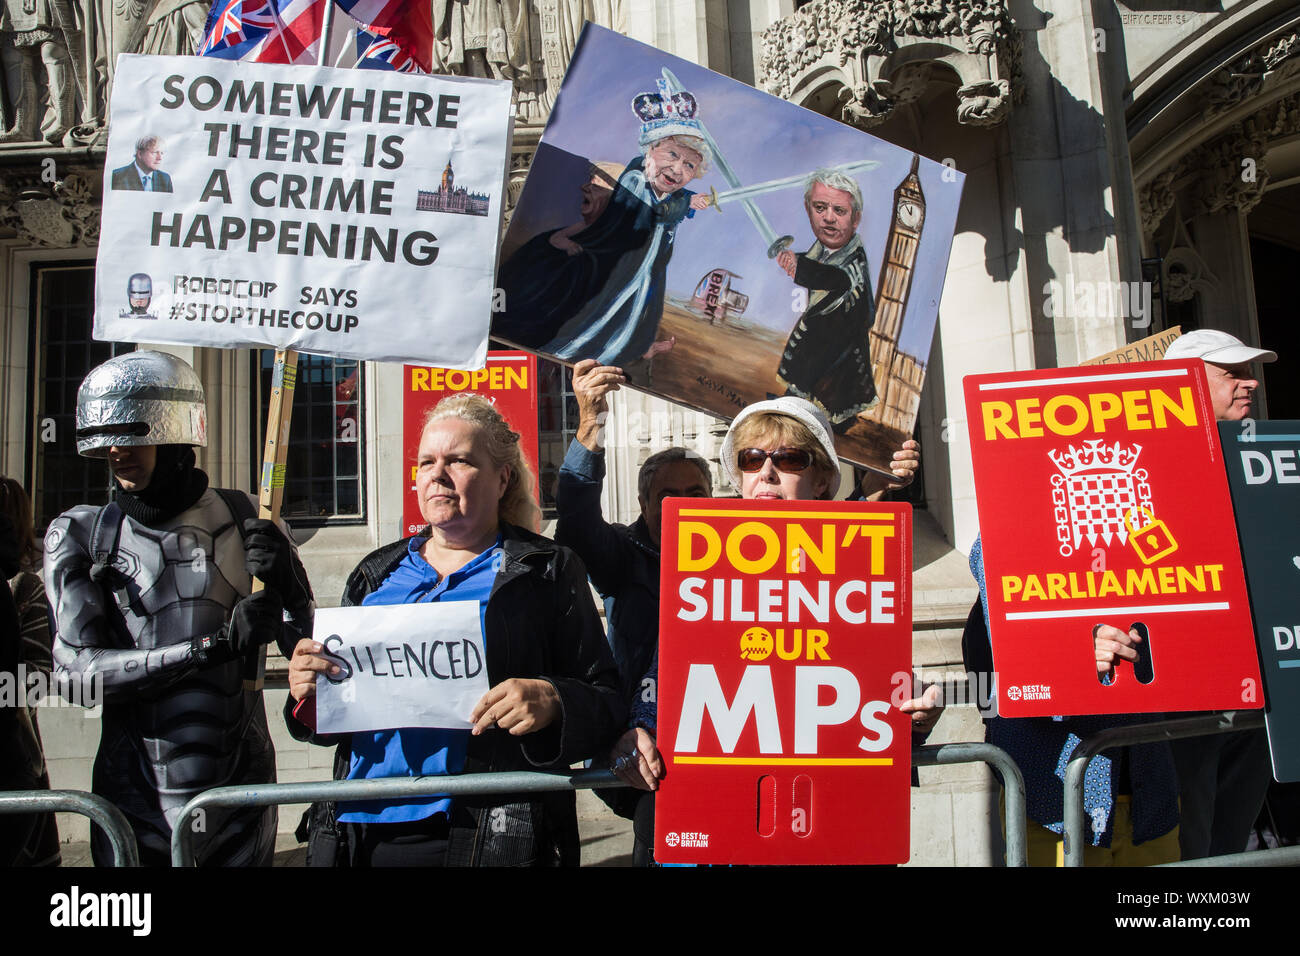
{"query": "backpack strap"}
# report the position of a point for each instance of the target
(105, 535)
(241, 509)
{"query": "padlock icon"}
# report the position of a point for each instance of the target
(1151, 542)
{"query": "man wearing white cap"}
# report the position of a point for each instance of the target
(1227, 368)
(1222, 778)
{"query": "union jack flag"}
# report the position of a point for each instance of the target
(382, 53)
(265, 31)
(408, 24)
(228, 20)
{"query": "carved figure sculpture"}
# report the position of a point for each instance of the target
(32, 47)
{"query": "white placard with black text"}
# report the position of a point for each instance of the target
(349, 213)
(403, 665)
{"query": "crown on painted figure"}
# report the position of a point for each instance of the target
(665, 113)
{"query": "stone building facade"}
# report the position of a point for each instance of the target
(1147, 151)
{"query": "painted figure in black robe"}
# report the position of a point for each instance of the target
(827, 359)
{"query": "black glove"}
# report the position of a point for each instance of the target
(269, 557)
(256, 620)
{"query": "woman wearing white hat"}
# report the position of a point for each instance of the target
(781, 449)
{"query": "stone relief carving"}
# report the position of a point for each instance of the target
(56, 215)
(1228, 171)
(1232, 167)
(1253, 72)
(528, 42)
(868, 105)
(1186, 273)
(1155, 199)
(858, 36)
(984, 103)
(41, 46)
(864, 107)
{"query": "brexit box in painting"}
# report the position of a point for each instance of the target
(784, 652)
(1102, 500)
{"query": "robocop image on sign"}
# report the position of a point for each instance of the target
(139, 295)
(151, 601)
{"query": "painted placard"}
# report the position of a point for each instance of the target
(1102, 499)
(352, 213)
(509, 379)
(402, 665)
(785, 641)
(815, 268)
(1263, 461)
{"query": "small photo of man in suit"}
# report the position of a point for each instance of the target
(144, 174)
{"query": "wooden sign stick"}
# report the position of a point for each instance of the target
(270, 493)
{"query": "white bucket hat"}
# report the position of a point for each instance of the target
(803, 411)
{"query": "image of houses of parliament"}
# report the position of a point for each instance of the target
(898, 376)
(450, 198)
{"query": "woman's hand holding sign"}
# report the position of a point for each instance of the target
(305, 664)
(925, 709)
(519, 705)
(904, 466)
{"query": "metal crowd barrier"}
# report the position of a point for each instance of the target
(457, 785)
(534, 782)
(1202, 725)
(1013, 786)
(102, 813)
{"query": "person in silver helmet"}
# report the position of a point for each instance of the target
(152, 606)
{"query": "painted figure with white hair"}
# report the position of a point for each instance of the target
(827, 359)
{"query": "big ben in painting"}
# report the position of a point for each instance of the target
(897, 375)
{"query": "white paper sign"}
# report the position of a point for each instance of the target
(352, 213)
(402, 665)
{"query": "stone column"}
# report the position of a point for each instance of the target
(1072, 177)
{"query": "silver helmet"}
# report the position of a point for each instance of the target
(140, 398)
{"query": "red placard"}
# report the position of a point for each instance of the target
(785, 648)
(1102, 499)
(509, 379)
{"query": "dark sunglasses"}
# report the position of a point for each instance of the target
(789, 460)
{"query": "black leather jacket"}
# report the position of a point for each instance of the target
(540, 623)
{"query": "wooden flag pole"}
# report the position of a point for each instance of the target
(270, 492)
(279, 415)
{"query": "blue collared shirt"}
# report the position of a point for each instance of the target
(418, 751)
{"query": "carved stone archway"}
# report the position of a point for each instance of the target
(1207, 146)
(882, 52)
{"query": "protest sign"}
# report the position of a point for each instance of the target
(1102, 499)
(509, 379)
(350, 213)
(1263, 461)
(402, 665)
(785, 649)
(613, 255)
(1149, 349)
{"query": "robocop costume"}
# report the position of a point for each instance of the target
(149, 596)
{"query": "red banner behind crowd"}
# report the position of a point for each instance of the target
(509, 379)
(784, 652)
(1102, 499)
